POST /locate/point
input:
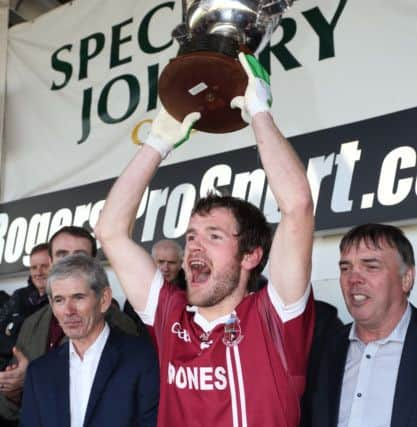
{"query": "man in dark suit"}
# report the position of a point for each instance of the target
(41, 331)
(367, 374)
(100, 377)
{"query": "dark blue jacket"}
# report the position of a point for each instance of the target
(125, 391)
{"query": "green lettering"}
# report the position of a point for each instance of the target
(61, 66)
(86, 114)
(86, 55)
(116, 42)
(280, 51)
(324, 29)
(134, 97)
(153, 71)
(143, 32)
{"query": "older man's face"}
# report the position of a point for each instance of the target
(79, 311)
(375, 284)
(167, 261)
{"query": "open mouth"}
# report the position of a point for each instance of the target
(200, 271)
(359, 298)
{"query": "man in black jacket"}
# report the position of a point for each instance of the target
(366, 373)
(24, 302)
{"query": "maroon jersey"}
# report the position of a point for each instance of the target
(245, 369)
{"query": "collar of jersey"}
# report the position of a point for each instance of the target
(205, 324)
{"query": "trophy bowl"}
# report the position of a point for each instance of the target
(206, 74)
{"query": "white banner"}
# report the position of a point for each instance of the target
(332, 62)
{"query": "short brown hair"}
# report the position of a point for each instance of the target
(75, 231)
(39, 248)
(253, 229)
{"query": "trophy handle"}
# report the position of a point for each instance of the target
(184, 10)
(181, 33)
(277, 7)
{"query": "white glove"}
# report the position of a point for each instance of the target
(168, 133)
(258, 97)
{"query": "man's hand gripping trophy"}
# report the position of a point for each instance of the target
(167, 133)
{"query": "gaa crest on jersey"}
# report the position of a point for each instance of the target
(181, 333)
(232, 331)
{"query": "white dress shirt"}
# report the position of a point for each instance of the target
(370, 378)
(82, 373)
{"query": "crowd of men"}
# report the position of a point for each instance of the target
(223, 346)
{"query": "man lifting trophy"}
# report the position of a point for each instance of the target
(206, 75)
(228, 356)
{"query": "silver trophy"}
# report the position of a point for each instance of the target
(206, 74)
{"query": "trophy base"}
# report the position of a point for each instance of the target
(205, 82)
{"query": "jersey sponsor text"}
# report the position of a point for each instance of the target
(197, 377)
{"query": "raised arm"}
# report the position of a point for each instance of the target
(132, 264)
(290, 257)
